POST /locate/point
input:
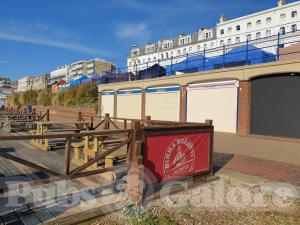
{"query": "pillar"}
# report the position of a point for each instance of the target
(244, 108)
(182, 104)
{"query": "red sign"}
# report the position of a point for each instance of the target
(172, 156)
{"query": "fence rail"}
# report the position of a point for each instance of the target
(231, 55)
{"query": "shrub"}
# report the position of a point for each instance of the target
(44, 98)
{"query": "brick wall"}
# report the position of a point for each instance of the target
(244, 108)
(69, 111)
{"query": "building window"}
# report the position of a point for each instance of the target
(282, 16)
(294, 27)
(167, 55)
(184, 51)
(238, 27)
(179, 52)
(162, 56)
(205, 46)
(268, 33)
(229, 29)
(198, 48)
(229, 41)
(258, 22)
(212, 44)
(190, 49)
(207, 35)
(237, 40)
(221, 43)
(154, 58)
(249, 25)
(258, 35)
(172, 53)
(249, 37)
(221, 31)
(294, 14)
(268, 20)
(282, 30)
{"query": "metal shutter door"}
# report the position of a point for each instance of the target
(107, 103)
(217, 101)
(163, 103)
(129, 104)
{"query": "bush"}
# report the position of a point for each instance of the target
(44, 98)
(84, 95)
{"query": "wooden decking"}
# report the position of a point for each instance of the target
(59, 202)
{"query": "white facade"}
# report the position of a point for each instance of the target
(59, 73)
(25, 83)
(260, 28)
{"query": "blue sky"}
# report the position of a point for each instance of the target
(37, 36)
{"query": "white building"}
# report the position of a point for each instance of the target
(5, 83)
(260, 29)
(25, 83)
(90, 67)
(61, 73)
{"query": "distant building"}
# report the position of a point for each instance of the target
(61, 73)
(56, 85)
(4, 92)
(40, 82)
(5, 83)
(25, 83)
(90, 67)
(261, 29)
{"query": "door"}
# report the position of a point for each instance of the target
(107, 103)
(129, 104)
(162, 103)
(217, 101)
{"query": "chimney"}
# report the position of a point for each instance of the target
(223, 18)
(281, 3)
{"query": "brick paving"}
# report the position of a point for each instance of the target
(271, 170)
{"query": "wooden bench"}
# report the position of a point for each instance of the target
(47, 145)
(91, 150)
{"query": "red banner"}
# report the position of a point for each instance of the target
(172, 156)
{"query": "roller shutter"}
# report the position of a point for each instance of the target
(162, 103)
(107, 103)
(129, 104)
(275, 106)
(217, 101)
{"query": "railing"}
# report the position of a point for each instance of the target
(239, 54)
(41, 115)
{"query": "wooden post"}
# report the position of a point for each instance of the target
(147, 120)
(34, 114)
(79, 117)
(106, 123)
(92, 123)
(125, 124)
(67, 156)
(47, 115)
(209, 122)
(135, 176)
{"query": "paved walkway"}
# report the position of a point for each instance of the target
(271, 170)
(276, 149)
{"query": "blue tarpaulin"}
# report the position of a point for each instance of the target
(78, 81)
(244, 55)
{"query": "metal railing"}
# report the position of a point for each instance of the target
(239, 54)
